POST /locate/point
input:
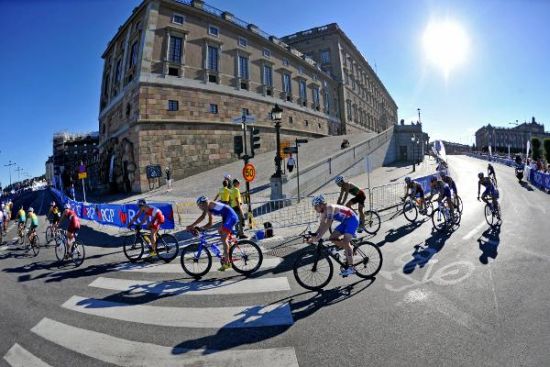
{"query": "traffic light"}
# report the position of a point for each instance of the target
(254, 140)
(238, 145)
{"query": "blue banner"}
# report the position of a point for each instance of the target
(540, 179)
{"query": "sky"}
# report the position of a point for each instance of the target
(51, 66)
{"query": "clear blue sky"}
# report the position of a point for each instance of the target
(50, 68)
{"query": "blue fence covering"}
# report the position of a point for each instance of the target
(118, 215)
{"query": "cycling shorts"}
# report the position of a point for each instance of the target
(359, 198)
(447, 192)
(348, 226)
(229, 221)
(32, 227)
(419, 193)
(490, 191)
(73, 228)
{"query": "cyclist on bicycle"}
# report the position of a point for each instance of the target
(34, 223)
(157, 219)
(359, 197)
(21, 218)
(416, 191)
(443, 192)
(72, 228)
(229, 219)
(491, 173)
(490, 191)
(449, 181)
(54, 215)
(347, 227)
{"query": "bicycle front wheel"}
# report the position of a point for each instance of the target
(372, 221)
(246, 257)
(438, 220)
(167, 247)
(79, 253)
(60, 250)
(133, 249)
(35, 245)
(313, 270)
(196, 260)
(459, 204)
(489, 216)
(367, 259)
(49, 234)
(409, 211)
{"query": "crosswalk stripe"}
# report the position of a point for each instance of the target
(206, 287)
(4, 248)
(267, 263)
(277, 314)
(18, 356)
(122, 352)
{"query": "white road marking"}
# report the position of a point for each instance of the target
(474, 231)
(18, 356)
(207, 287)
(4, 248)
(277, 314)
(122, 352)
(267, 263)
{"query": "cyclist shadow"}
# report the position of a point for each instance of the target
(422, 254)
(526, 186)
(488, 244)
(393, 235)
(233, 335)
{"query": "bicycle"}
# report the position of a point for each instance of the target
(33, 244)
(312, 264)
(77, 254)
(167, 246)
(443, 218)
(51, 233)
(457, 201)
(493, 216)
(21, 233)
(245, 256)
(411, 211)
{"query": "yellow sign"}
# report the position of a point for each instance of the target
(249, 172)
(82, 175)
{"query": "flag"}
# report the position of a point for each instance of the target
(528, 148)
(490, 151)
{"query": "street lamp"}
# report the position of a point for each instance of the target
(276, 116)
(413, 140)
(419, 120)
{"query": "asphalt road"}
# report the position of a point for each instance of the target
(476, 297)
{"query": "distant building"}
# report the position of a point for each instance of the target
(456, 148)
(500, 138)
(410, 142)
(50, 171)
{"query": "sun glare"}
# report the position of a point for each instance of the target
(445, 44)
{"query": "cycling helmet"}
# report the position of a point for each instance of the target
(338, 180)
(141, 202)
(202, 199)
(52, 203)
(319, 199)
(407, 179)
(227, 176)
(31, 210)
(67, 206)
(480, 175)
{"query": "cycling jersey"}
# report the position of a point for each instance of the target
(416, 189)
(449, 181)
(443, 190)
(229, 217)
(21, 216)
(74, 222)
(157, 218)
(347, 218)
(34, 220)
(489, 187)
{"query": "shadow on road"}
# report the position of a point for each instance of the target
(526, 186)
(393, 235)
(423, 254)
(488, 244)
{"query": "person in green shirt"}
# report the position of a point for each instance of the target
(224, 193)
(34, 224)
(235, 201)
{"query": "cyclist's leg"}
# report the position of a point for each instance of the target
(154, 228)
(224, 235)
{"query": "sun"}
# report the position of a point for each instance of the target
(445, 44)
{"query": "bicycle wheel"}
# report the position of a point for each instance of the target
(489, 216)
(49, 234)
(35, 245)
(60, 250)
(460, 206)
(313, 269)
(79, 253)
(410, 211)
(246, 257)
(438, 220)
(196, 260)
(133, 249)
(429, 208)
(372, 221)
(367, 259)
(167, 247)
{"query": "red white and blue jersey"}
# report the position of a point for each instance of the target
(339, 213)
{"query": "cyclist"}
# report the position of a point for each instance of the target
(54, 215)
(443, 192)
(359, 197)
(5, 218)
(229, 219)
(34, 223)
(21, 218)
(416, 192)
(490, 191)
(72, 228)
(157, 218)
(491, 173)
(449, 181)
(347, 227)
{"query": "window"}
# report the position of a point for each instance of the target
(326, 97)
(287, 86)
(290, 119)
(324, 56)
(266, 53)
(300, 70)
(355, 113)
(285, 62)
(173, 105)
(213, 30)
(178, 19)
(268, 76)
(243, 42)
(243, 67)
(213, 58)
(133, 55)
(118, 73)
(174, 54)
(348, 109)
(315, 95)
(173, 72)
(307, 123)
(245, 112)
(303, 95)
(213, 108)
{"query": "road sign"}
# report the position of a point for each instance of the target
(82, 175)
(290, 150)
(284, 144)
(249, 172)
(245, 119)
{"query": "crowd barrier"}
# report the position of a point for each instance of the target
(118, 215)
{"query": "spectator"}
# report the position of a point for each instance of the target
(345, 144)
(72, 192)
(236, 203)
(227, 177)
(290, 163)
(224, 193)
(168, 178)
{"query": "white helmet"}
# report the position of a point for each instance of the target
(202, 199)
(319, 199)
(339, 179)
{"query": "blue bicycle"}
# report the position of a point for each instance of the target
(245, 256)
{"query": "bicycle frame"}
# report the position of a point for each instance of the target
(321, 248)
(203, 243)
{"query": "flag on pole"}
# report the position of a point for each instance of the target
(528, 148)
(490, 151)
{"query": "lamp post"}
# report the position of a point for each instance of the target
(9, 165)
(413, 140)
(419, 120)
(277, 178)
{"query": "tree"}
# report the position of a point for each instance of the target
(535, 147)
(546, 144)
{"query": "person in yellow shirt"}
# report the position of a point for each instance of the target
(235, 201)
(223, 194)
